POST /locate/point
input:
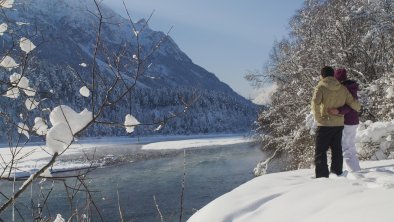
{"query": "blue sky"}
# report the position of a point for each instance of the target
(226, 37)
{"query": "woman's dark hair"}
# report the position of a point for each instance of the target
(327, 71)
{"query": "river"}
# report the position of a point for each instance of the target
(209, 173)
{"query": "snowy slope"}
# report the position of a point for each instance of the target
(69, 29)
(296, 197)
(65, 34)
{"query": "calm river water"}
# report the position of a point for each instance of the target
(210, 172)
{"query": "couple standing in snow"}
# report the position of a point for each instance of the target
(335, 107)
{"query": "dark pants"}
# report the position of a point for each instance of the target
(328, 137)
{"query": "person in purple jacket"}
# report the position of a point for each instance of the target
(351, 123)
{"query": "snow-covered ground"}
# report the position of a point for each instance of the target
(35, 156)
(295, 196)
(194, 143)
(292, 196)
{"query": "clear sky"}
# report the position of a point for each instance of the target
(226, 37)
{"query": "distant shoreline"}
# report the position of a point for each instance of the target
(137, 140)
(37, 154)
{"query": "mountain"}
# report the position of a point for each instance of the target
(65, 32)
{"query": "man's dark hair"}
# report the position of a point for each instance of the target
(327, 71)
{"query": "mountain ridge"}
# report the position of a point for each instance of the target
(67, 39)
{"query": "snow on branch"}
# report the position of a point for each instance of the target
(65, 124)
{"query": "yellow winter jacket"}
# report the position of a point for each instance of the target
(330, 93)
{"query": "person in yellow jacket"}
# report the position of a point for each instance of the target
(330, 93)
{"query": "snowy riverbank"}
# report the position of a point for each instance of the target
(195, 143)
(295, 197)
(35, 156)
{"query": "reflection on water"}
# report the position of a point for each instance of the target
(209, 174)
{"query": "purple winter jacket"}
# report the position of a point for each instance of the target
(351, 116)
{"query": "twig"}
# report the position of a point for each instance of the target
(119, 207)
(183, 185)
(158, 209)
(28, 182)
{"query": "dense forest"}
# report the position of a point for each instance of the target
(208, 111)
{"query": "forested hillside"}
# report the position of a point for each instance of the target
(141, 72)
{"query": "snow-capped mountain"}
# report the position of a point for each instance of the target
(69, 27)
(65, 32)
